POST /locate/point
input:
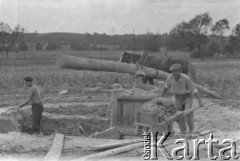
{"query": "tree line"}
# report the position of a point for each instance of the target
(204, 38)
(199, 36)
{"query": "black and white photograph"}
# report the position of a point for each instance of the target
(119, 80)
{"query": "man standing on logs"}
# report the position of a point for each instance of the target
(35, 98)
(183, 89)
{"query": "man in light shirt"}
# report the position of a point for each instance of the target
(35, 98)
(183, 89)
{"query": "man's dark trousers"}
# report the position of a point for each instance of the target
(37, 109)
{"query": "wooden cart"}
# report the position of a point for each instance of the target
(149, 121)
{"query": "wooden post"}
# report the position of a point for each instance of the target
(114, 108)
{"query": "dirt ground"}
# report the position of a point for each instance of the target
(222, 118)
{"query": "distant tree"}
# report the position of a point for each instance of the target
(5, 38)
(38, 46)
(192, 34)
(234, 40)
(22, 46)
(10, 38)
(219, 29)
(213, 48)
(151, 42)
(174, 41)
(78, 46)
(93, 47)
(228, 49)
(103, 48)
(199, 26)
(236, 30)
(51, 46)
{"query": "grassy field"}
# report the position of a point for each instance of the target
(219, 75)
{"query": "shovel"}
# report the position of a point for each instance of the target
(45, 99)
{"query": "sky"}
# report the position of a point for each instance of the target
(112, 16)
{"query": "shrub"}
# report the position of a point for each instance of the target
(38, 46)
(213, 48)
(228, 49)
(195, 54)
(51, 46)
(23, 46)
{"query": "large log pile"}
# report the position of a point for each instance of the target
(71, 62)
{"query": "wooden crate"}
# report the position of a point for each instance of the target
(124, 107)
(146, 119)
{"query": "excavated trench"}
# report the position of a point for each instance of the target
(70, 118)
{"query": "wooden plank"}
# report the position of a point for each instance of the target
(114, 108)
(54, 153)
(111, 152)
(144, 125)
(205, 132)
(119, 113)
(178, 115)
(114, 145)
(112, 133)
(118, 150)
(128, 111)
(138, 105)
(136, 98)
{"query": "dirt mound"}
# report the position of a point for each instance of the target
(15, 142)
(217, 117)
(9, 121)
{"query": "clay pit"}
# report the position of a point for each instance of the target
(90, 114)
(67, 118)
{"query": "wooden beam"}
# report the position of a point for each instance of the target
(111, 133)
(54, 153)
(136, 98)
(111, 152)
(77, 63)
(114, 145)
(118, 150)
(114, 108)
(177, 115)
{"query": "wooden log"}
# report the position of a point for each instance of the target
(118, 150)
(114, 145)
(136, 98)
(111, 152)
(111, 133)
(177, 115)
(77, 63)
(180, 114)
(205, 132)
(54, 153)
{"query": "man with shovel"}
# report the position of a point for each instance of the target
(35, 98)
(183, 89)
